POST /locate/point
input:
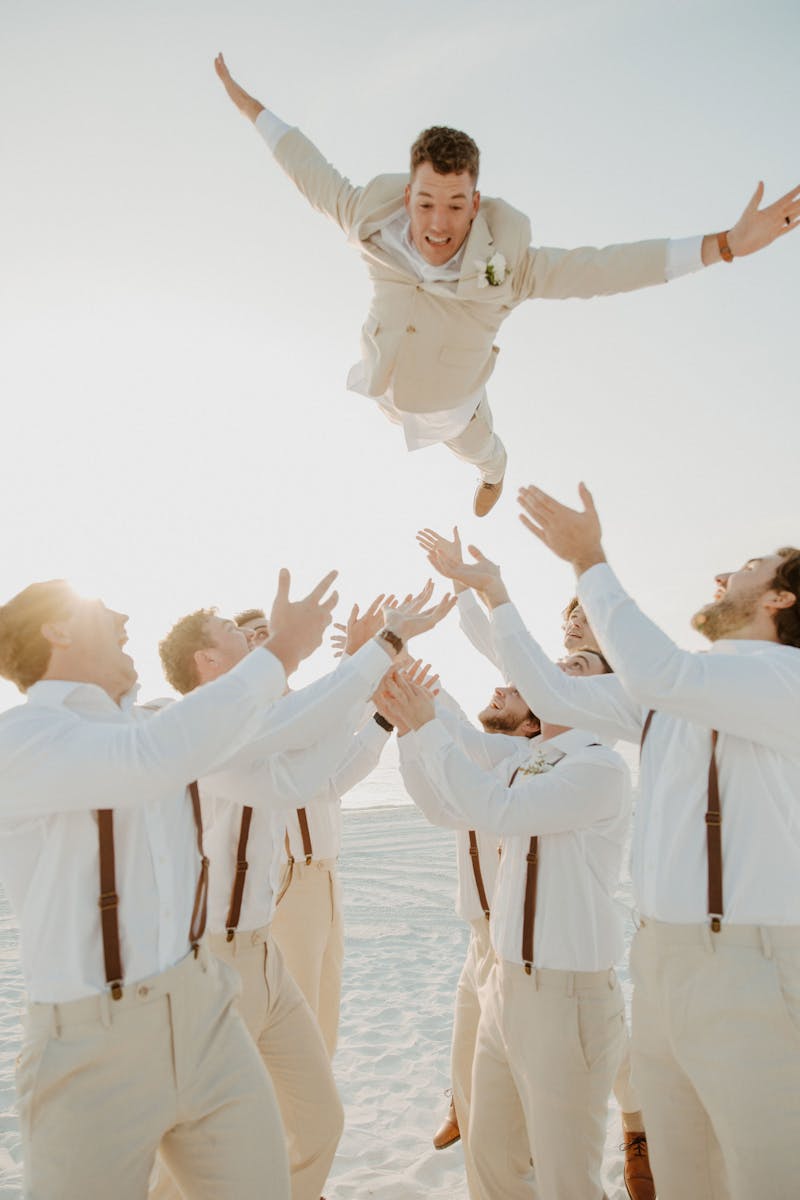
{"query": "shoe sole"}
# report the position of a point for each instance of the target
(452, 1142)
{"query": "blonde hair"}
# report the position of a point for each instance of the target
(24, 650)
(178, 647)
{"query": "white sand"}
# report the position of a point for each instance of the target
(405, 947)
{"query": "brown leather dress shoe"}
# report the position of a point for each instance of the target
(638, 1176)
(486, 497)
(448, 1132)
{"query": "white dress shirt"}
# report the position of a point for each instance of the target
(70, 750)
(324, 811)
(748, 690)
(579, 809)
(476, 626)
(276, 788)
(684, 255)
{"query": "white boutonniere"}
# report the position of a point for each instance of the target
(493, 272)
(537, 766)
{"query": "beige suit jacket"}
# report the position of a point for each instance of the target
(435, 343)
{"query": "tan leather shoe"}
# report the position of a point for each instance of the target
(448, 1132)
(638, 1176)
(486, 497)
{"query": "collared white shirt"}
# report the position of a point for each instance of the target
(275, 785)
(749, 691)
(579, 809)
(324, 811)
(70, 750)
(486, 750)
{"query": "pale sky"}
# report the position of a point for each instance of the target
(178, 323)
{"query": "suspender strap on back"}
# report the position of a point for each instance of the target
(476, 870)
(305, 835)
(529, 911)
(109, 902)
(714, 840)
(235, 909)
(198, 924)
(713, 830)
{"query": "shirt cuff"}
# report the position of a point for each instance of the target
(684, 255)
(432, 737)
(506, 620)
(263, 673)
(271, 128)
(467, 601)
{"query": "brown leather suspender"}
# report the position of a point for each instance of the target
(109, 900)
(476, 870)
(234, 912)
(713, 830)
(305, 835)
(531, 885)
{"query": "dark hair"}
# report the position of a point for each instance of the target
(250, 614)
(607, 667)
(449, 151)
(24, 650)
(178, 647)
(787, 579)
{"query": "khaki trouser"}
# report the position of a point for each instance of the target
(624, 1092)
(716, 1058)
(474, 976)
(548, 1049)
(102, 1084)
(480, 446)
(291, 1048)
(309, 928)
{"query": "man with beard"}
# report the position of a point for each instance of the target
(716, 1010)
(584, 658)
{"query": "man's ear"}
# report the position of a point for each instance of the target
(407, 197)
(530, 727)
(476, 202)
(779, 600)
(203, 659)
(57, 634)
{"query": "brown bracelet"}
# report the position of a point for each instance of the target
(724, 247)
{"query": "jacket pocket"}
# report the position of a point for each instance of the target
(463, 356)
(372, 326)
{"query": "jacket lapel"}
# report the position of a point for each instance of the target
(480, 246)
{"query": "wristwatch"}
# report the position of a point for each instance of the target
(394, 641)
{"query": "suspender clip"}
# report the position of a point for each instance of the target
(229, 935)
(716, 924)
(116, 989)
(528, 968)
(309, 860)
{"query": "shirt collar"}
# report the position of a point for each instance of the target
(79, 697)
(398, 231)
(569, 742)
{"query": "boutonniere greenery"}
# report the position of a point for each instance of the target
(493, 272)
(537, 766)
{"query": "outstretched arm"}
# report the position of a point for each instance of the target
(321, 184)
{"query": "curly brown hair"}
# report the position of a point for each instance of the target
(178, 647)
(449, 151)
(787, 579)
(24, 650)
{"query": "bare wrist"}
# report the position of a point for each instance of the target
(590, 559)
(496, 595)
(283, 649)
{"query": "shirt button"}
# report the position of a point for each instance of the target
(143, 991)
(411, 329)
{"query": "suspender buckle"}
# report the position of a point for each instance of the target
(532, 855)
(713, 818)
(241, 867)
(116, 989)
(473, 851)
(108, 900)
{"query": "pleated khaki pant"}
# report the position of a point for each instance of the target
(309, 928)
(474, 976)
(548, 1049)
(103, 1084)
(291, 1048)
(716, 1058)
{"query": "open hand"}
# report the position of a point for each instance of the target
(757, 227)
(404, 703)
(572, 535)
(296, 627)
(361, 627)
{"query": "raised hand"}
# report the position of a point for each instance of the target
(757, 227)
(415, 672)
(404, 703)
(246, 103)
(296, 627)
(361, 627)
(445, 556)
(572, 535)
(409, 619)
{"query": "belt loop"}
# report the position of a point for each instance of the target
(612, 979)
(708, 940)
(537, 980)
(570, 984)
(766, 941)
(55, 1024)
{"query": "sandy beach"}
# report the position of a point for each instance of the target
(405, 947)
